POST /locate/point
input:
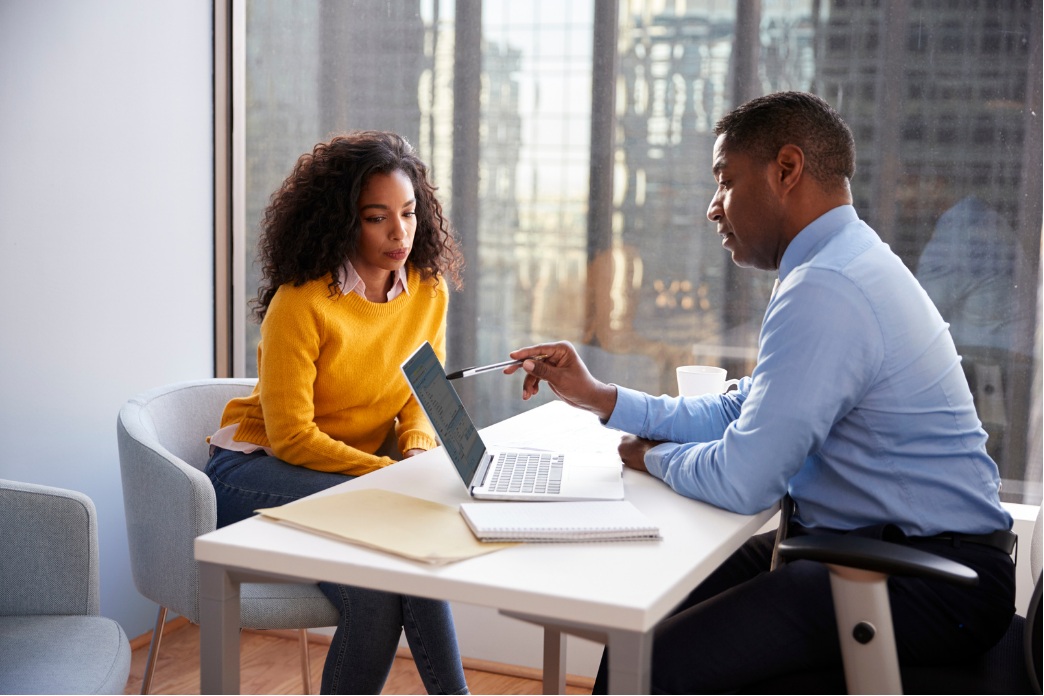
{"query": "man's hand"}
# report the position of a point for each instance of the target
(632, 451)
(412, 453)
(568, 377)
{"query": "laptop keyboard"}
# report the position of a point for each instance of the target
(523, 472)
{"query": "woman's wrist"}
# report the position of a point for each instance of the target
(416, 439)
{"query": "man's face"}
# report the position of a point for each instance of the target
(748, 213)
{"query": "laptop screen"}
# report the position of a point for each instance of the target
(447, 415)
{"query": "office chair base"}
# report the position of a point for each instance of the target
(864, 625)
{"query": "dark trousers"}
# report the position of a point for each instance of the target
(745, 625)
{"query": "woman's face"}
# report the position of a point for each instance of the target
(388, 221)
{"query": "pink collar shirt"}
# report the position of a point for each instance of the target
(355, 284)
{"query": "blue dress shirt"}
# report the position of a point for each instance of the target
(858, 405)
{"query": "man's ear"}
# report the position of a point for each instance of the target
(790, 167)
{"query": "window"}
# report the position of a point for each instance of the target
(580, 195)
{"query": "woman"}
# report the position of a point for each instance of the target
(354, 249)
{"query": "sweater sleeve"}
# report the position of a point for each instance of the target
(292, 336)
(412, 427)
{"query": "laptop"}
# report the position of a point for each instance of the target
(503, 474)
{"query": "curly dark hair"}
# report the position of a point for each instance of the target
(311, 226)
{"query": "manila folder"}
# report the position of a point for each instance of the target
(392, 522)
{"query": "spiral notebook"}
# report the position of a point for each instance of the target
(573, 521)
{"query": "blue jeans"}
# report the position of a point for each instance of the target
(364, 644)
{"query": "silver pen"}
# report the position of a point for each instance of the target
(472, 371)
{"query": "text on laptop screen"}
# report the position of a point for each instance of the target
(446, 413)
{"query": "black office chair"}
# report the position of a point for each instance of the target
(859, 570)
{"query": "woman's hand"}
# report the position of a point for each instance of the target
(412, 453)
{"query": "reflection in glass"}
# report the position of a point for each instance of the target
(949, 175)
(938, 95)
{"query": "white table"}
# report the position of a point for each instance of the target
(613, 593)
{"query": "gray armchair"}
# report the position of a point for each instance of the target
(52, 640)
(169, 501)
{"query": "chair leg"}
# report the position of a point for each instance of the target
(306, 667)
(157, 637)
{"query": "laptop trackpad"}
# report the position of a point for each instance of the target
(593, 473)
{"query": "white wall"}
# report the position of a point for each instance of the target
(106, 250)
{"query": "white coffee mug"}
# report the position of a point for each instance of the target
(695, 380)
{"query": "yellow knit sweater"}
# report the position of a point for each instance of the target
(329, 385)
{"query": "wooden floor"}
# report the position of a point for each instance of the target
(271, 665)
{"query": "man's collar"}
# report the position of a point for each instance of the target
(809, 239)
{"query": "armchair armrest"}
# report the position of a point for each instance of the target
(168, 503)
(878, 556)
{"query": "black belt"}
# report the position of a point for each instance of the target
(1002, 539)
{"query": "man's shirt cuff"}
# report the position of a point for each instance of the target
(656, 458)
(630, 412)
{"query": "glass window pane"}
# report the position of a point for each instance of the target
(938, 103)
(938, 97)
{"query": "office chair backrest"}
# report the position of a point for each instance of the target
(1031, 639)
(167, 499)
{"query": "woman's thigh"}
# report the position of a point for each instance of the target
(244, 483)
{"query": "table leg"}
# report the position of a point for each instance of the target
(630, 653)
(218, 630)
(630, 662)
(554, 661)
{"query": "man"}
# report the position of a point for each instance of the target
(858, 408)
